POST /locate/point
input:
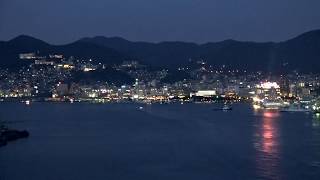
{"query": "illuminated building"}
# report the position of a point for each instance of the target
(204, 93)
(43, 62)
(88, 69)
(284, 86)
(27, 56)
(56, 56)
(316, 107)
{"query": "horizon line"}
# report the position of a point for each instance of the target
(158, 42)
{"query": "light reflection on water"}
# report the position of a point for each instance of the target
(316, 134)
(266, 144)
(316, 118)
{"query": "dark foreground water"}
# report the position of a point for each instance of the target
(190, 141)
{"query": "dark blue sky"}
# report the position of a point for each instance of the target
(62, 21)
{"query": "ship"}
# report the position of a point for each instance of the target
(272, 104)
(27, 102)
(268, 96)
(295, 108)
(225, 107)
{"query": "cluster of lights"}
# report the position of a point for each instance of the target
(316, 107)
(256, 106)
(88, 69)
(257, 99)
(269, 85)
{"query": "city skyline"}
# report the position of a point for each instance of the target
(167, 89)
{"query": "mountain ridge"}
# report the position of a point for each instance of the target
(301, 52)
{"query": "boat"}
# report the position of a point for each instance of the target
(294, 108)
(272, 104)
(27, 102)
(225, 107)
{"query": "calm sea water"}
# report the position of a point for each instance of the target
(190, 141)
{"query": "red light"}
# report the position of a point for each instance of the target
(270, 114)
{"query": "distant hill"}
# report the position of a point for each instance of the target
(10, 50)
(300, 53)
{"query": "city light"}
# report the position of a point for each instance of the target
(269, 85)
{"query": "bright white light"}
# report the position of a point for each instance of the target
(269, 85)
(256, 106)
(256, 99)
(135, 96)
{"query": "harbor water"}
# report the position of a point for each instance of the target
(171, 141)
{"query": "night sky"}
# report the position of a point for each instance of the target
(63, 21)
